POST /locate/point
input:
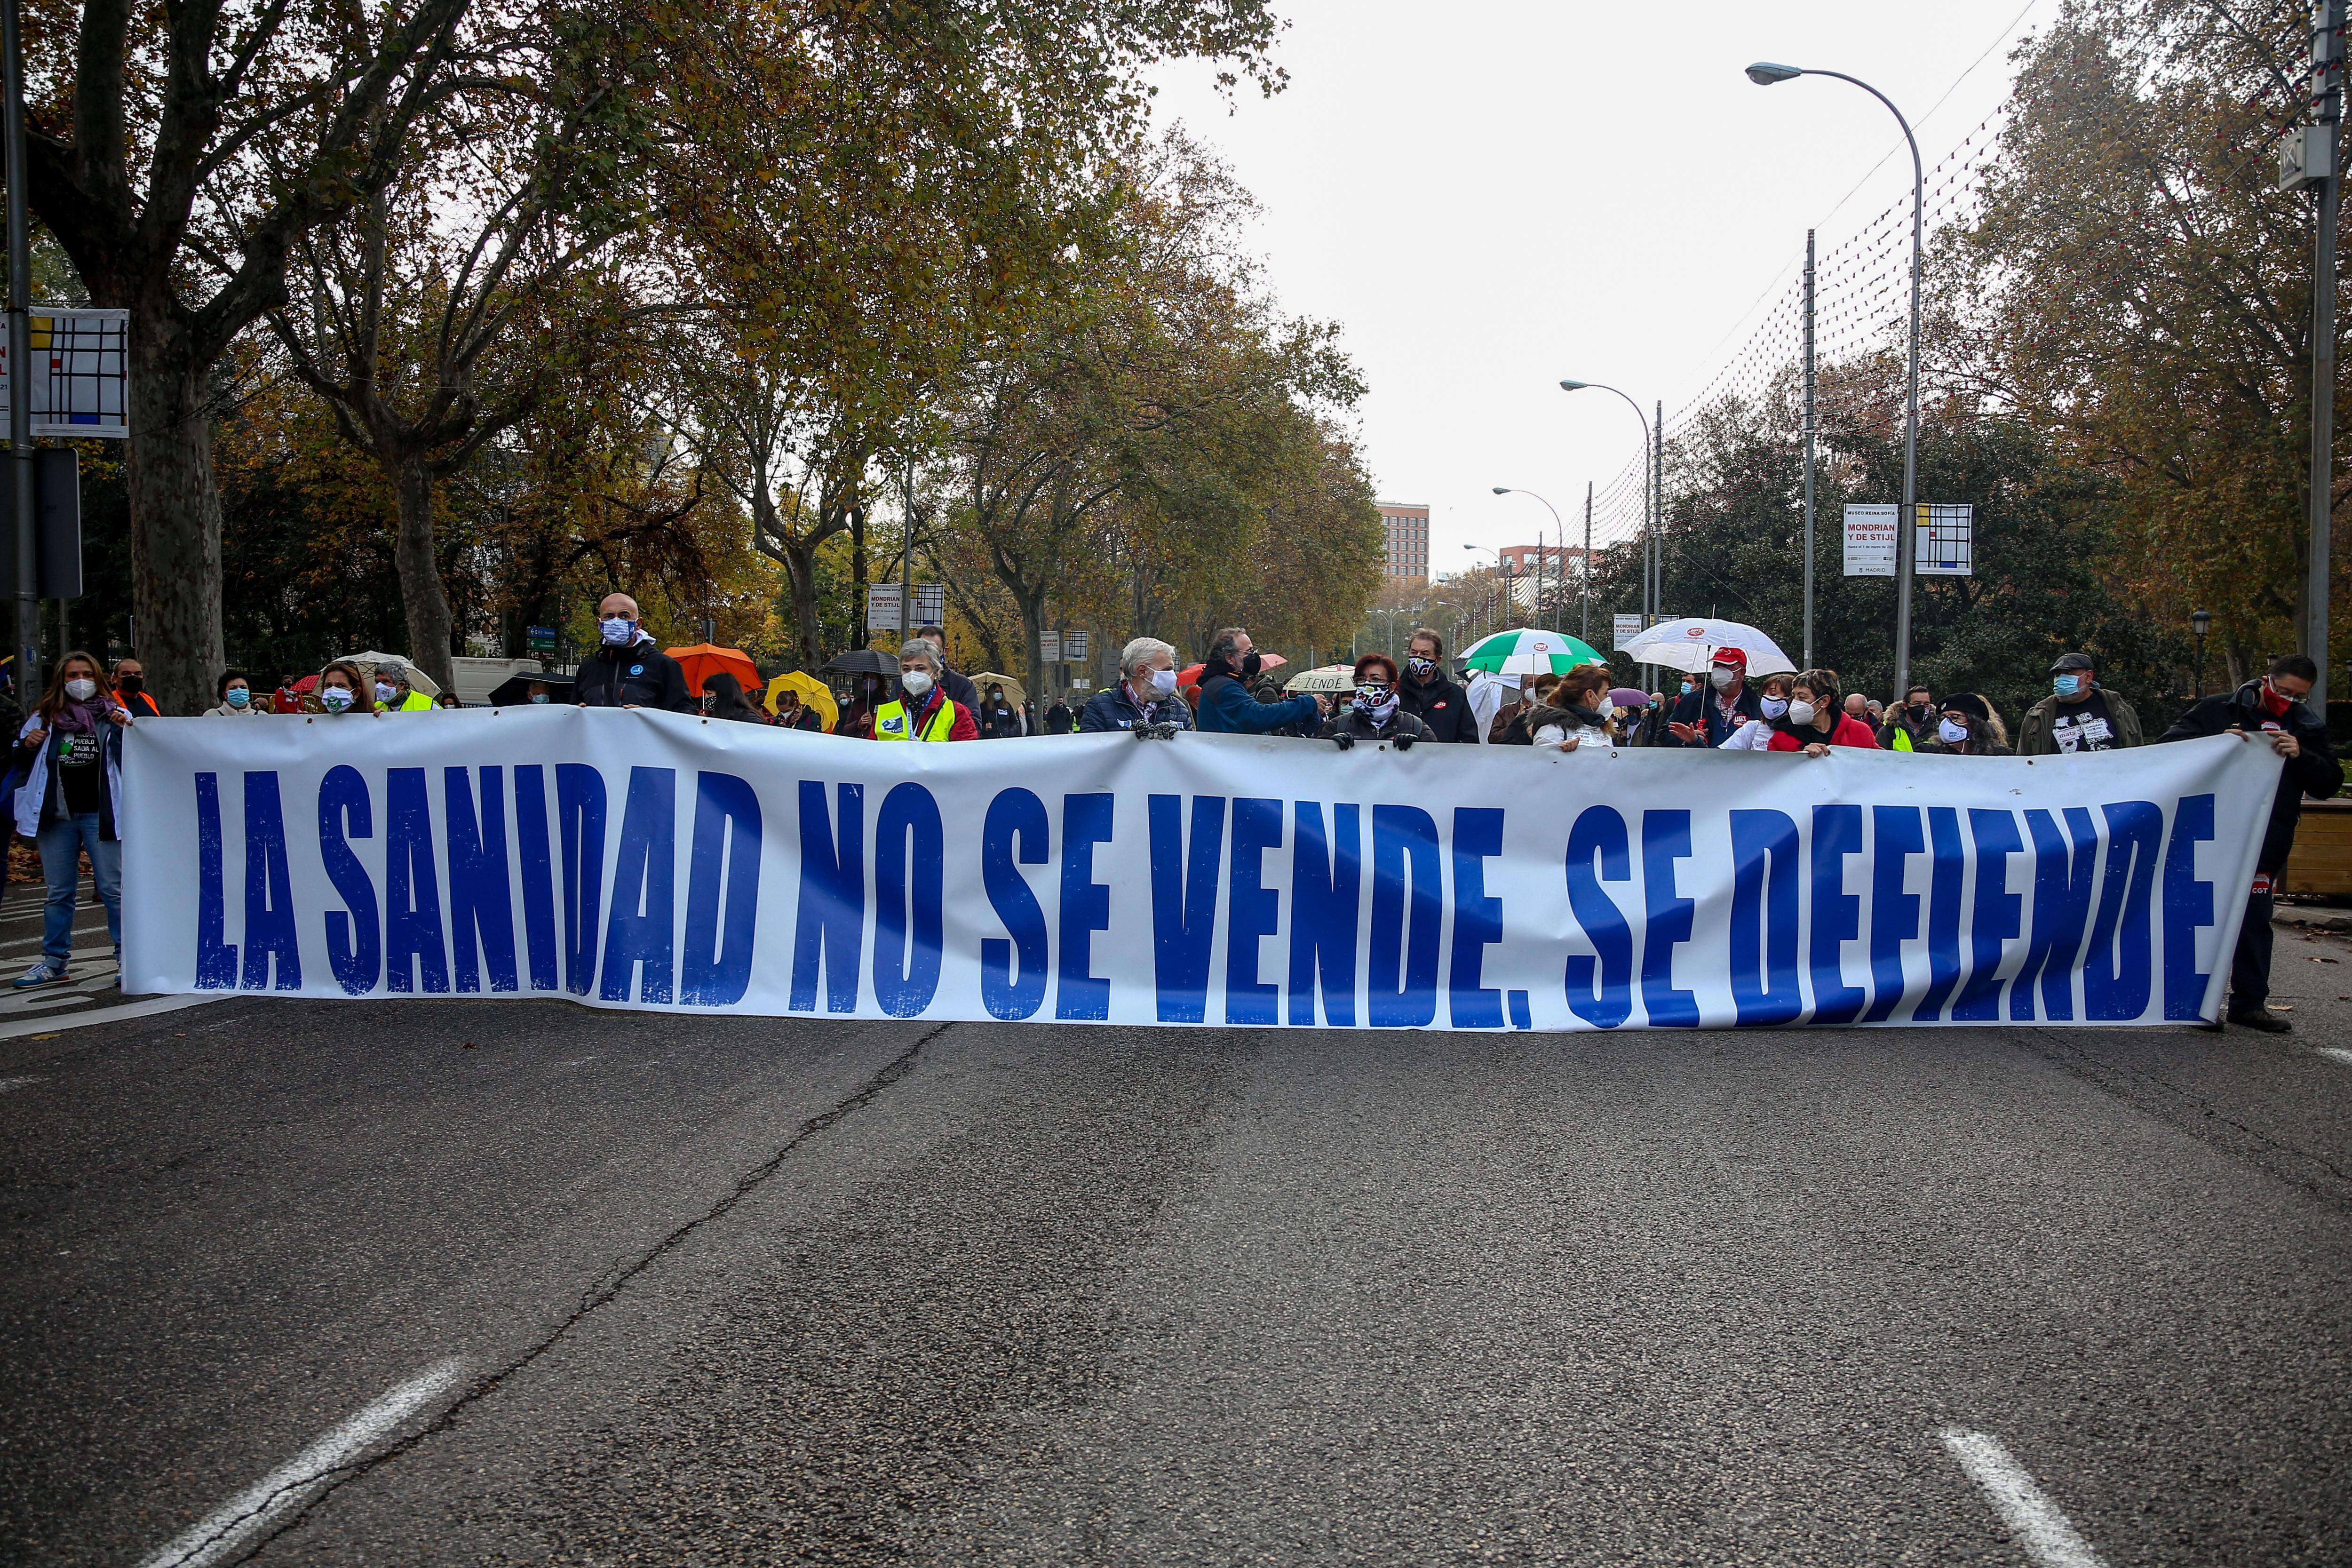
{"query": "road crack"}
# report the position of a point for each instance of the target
(2188, 1112)
(609, 1286)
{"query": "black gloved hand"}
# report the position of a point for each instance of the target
(1404, 743)
(1343, 740)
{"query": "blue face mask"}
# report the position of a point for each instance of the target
(1689, 687)
(239, 697)
(2065, 685)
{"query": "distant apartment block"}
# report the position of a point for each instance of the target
(1408, 541)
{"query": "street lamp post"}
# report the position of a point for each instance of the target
(1651, 461)
(2201, 622)
(1907, 531)
(1558, 528)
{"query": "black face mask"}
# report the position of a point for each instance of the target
(1250, 665)
(131, 684)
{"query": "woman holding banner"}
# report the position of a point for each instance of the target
(1816, 721)
(1375, 714)
(70, 754)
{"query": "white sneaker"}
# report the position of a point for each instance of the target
(42, 974)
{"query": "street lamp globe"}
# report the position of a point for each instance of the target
(2200, 621)
(1764, 73)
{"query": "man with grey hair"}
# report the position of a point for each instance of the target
(1226, 705)
(1145, 699)
(922, 710)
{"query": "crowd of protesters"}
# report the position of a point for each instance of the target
(65, 774)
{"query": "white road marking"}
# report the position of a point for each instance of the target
(152, 1004)
(2335, 1054)
(2040, 1526)
(234, 1523)
(8, 1083)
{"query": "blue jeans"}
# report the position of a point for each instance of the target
(61, 842)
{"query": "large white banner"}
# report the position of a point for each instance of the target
(654, 860)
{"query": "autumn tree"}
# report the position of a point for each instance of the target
(2141, 292)
(178, 154)
(445, 306)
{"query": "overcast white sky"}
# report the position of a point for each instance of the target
(1492, 195)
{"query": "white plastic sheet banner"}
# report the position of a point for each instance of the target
(654, 860)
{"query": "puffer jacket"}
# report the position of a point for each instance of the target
(1357, 725)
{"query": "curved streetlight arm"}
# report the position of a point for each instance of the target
(1907, 531)
(1513, 490)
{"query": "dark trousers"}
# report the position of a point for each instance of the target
(2250, 967)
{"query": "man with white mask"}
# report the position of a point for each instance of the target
(1145, 700)
(627, 670)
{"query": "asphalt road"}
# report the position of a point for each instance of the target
(520, 1282)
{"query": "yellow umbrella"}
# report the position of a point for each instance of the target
(1015, 692)
(813, 694)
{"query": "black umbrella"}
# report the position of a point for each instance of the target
(860, 661)
(515, 691)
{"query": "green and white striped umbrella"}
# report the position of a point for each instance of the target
(1525, 652)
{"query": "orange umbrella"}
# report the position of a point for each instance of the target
(702, 661)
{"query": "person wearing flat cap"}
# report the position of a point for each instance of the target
(2079, 715)
(1970, 727)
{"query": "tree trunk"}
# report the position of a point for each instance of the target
(422, 592)
(176, 518)
(1033, 631)
(864, 636)
(800, 583)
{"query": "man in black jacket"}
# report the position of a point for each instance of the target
(2272, 707)
(955, 683)
(1428, 696)
(627, 670)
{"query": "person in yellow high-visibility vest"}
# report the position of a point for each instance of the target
(921, 711)
(394, 695)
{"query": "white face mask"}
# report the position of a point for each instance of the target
(1952, 733)
(618, 631)
(335, 698)
(82, 691)
(1775, 706)
(918, 683)
(384, 693)
(1723, 678)
(1160, 683)
(1801, 714)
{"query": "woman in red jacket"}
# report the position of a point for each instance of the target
(1816, 723)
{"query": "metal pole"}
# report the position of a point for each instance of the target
(20, 353)
(1658, 506)
(1585, 574)
(2328, 57)
(1808, 449)
(1907, 525)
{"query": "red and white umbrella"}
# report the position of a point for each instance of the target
(1689, 644)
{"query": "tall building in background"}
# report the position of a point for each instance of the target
(1408, 539)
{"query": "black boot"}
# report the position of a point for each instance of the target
(2261, 1019)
